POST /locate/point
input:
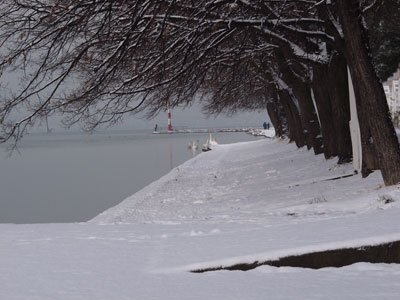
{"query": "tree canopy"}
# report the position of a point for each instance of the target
(94, 61)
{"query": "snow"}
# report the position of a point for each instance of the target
(269, 133)
(238, 203)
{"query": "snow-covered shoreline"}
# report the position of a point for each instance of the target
(251, 181)
(238, 203)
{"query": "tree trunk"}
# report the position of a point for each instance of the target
(308, 116)
(339, 94)
(372, 97)
(293, 117)
(320, 86)
(277, 117)
(369, 156)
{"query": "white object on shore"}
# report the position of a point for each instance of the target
(206, 147)
(211, 141)
(354, 128)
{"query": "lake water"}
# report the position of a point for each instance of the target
(72, 177)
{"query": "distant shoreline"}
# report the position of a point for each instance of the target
(204, 130)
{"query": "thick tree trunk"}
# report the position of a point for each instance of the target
(320, 86)
(293, 117)
(274, 117)
(308, 116)
(372, 97)
(277, 117)
(339, 94)
(369, 156)
(301, 93)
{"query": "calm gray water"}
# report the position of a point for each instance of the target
(72, 177)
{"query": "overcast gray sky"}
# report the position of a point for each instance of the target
(181, 117)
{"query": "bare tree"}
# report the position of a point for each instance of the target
(95, 61)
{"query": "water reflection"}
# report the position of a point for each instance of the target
(171, 156)
(73, 177)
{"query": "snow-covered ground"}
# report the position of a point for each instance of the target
(269, 133)
(237, 203)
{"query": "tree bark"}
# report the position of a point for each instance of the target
(339, 94)
(369, 156)
(296, 133)
(277, 116)
(320, 86)
(371, 95)
(301, 91)
(308, 116)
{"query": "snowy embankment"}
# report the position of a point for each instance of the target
(262, 182)
(276, 185)
(239, 203)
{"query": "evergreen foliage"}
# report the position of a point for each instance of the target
(385, 38)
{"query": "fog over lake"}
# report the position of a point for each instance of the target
(72, 176)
